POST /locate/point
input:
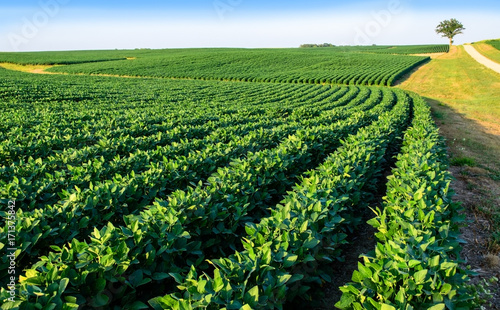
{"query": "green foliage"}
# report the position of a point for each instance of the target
(494, 43)
(317, 45)
(61, 58)
(304, 230)
(450, 28)
(186, 194)
(410, 49)
(336, 65)
(190, 177)
(414, 264)
(463, 161)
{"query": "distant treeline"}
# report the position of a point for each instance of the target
(317, 45)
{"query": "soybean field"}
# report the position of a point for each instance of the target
(342, 65)
(223, 179)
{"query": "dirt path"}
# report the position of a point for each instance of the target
(37, 69)
(481, 59)
(431, 55)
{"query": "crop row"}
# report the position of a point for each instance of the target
(412, 49)
(387, 75)
(191, 194)
(259, 65)
(46, 132)
(64, 169)
(77, 57)
(141, 178)
(157, 181)
(136, 111)
(130, 192)
(283, 253)
(415, 263)
(218, 209)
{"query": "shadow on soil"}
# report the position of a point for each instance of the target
(467, 138)
(475, 166)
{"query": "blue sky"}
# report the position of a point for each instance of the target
(27, 25)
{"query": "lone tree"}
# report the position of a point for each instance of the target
(450, 28)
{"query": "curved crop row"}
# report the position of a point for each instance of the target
(208, 207)
(188, 194)
(129, 192)
(297, 66)
(305, 228)
(225, 190)
(35, 180)
(412, 49)
(415, 263)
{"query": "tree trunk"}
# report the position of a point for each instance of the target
(451, 43)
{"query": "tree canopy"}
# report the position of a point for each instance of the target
(450, 28)
(317, 45)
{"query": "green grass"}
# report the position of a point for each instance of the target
(463, 161)
(494, 43)
(464, 95)
(488, 49)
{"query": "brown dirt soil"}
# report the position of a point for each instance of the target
(431, 55)
(361, 243)
(479, 252)
(41, 71)
(37, 69)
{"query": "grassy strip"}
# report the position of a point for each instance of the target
(26, 68)
(488, 50)
(494, 43)
(415, 263)
(461, 83)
